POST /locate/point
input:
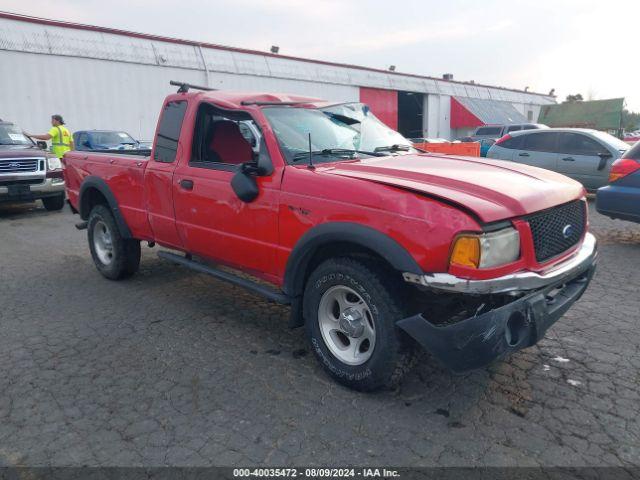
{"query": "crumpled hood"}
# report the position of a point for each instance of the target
(494, 190)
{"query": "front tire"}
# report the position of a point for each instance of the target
(350, 310)
(53, 203)
(115, 257)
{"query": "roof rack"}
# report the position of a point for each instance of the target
(251, 102)
(184, 87)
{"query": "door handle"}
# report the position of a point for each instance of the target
(569, 159)
(186, 184)
(523, 154)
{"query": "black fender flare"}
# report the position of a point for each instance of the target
(380, 243)
(97, 183)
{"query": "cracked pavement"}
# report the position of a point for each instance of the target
(176, 368)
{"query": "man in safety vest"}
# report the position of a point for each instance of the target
(61, 139)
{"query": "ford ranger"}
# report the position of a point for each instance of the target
(378, 248)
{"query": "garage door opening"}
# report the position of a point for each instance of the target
(410, 114)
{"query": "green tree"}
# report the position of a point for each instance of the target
(574, 98)
(630, 120)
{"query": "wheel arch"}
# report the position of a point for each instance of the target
(95, 191)
(342, 237)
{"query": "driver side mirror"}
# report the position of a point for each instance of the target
(42, 145)
(244, 182)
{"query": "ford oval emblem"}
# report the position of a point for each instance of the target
(568, 231)
(14, 165)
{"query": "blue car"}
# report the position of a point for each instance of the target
(621, 198)
(104, 140)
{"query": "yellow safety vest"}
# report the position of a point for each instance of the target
(60, 140)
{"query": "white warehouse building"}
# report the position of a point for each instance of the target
(101, 78)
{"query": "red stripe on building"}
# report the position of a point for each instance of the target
(461, 117)
(383, 103)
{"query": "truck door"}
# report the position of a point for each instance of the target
(159, 174)
(211, 220)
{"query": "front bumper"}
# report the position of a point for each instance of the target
(477, 341)
(520, 281)
(49, 187)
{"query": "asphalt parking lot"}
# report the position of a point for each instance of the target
(176, 368)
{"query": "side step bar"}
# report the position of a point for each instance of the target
(267, 292)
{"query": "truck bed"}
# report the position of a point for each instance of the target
(123, 173)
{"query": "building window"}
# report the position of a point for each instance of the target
(530, 115)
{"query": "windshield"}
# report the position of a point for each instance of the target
(111, 138)
(347, 126)
(613, 141)
(11, 135)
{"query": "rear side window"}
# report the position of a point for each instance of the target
(489, 131)
(169, 132)
(578, 144)
(633, 152)
(513, 128)
(529, 127)
(513, 142)
(540, 142)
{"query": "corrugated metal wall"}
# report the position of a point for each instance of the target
(383, 103)
(108, 80)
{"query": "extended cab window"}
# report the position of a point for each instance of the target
(169, 132)
(540, 142)
(223, 139)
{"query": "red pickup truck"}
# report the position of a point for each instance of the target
(378, 248)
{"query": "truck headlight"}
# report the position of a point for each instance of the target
(486, 250)
(54, 163)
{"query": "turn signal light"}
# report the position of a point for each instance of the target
(466, 252)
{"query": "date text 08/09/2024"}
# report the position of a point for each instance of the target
(316, 472)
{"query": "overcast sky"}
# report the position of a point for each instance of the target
(574, 46)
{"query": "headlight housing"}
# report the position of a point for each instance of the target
(54, 163)
(486, 250)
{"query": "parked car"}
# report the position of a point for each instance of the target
(375, 253)
(28, 173)
(582, 154)
(493, 132)
(104, 140)
(621, 198)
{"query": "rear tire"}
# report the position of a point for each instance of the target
(350, 310)
(53, 203)
(115, 257)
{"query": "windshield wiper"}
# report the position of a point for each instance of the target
(393, 148)
(332, 151)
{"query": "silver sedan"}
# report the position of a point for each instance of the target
(582, 154)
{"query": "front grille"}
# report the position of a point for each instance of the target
(20, 165)
(556, 230)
